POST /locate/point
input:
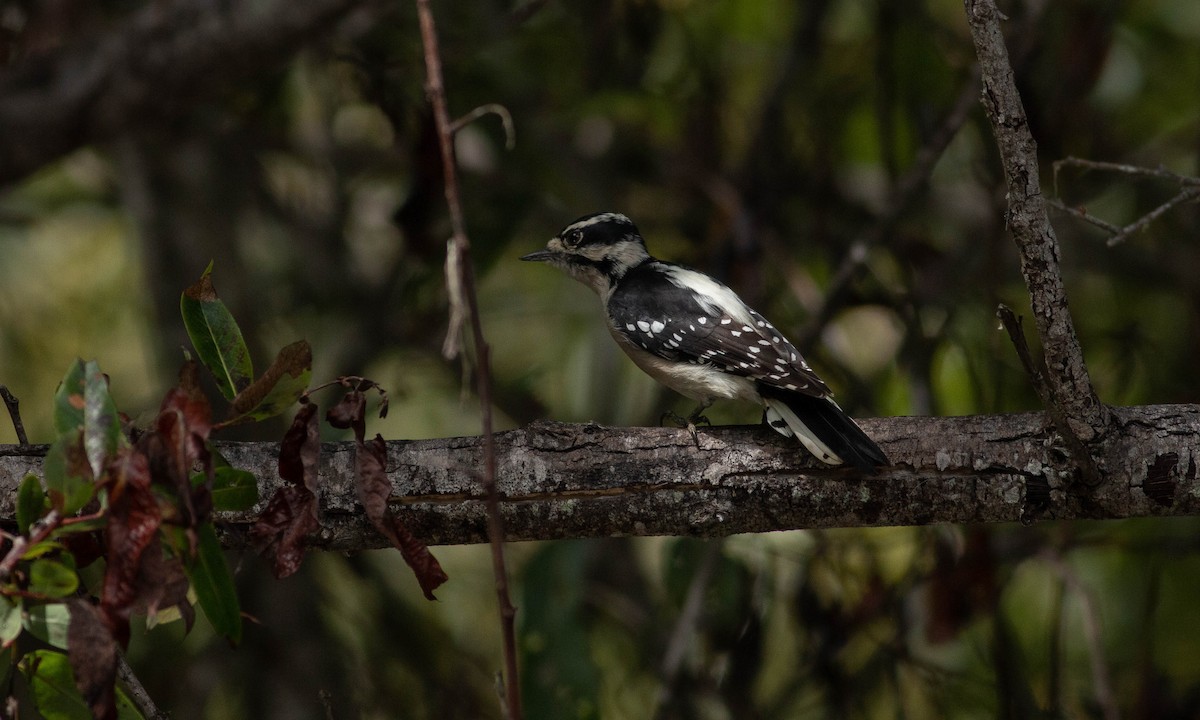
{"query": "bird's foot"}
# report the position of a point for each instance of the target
(690, 422)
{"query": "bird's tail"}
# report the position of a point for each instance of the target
(822, 427)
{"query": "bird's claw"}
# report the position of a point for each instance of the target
(690, 422)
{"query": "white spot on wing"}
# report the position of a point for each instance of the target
(630, 327)
(702, 320)
(656, 326)
(643, 326)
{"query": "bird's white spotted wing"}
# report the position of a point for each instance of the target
(657, 307)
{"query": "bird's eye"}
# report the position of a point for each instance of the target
(573, 238)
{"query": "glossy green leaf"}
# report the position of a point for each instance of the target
(68, 472)
(213, 584)
(101, 426)
(31, 502)
(68, 399)
(10, 620)
(233, 489)
(53, 577)
(278, 389)
(216, 336)
(48, 623)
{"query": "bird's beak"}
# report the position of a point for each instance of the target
(540, 256)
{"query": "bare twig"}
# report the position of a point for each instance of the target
(38, 532)
(14, 412)
(1037, 376)
(1189, 192)
(1160, 173)
(1083, 215)
(506, 121)
(1066, 373)
(137, 692)
(458, 256)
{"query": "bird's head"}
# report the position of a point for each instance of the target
(597, 250)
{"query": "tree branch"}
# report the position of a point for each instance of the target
(571, 481)
(1066, 373)
(148, 71)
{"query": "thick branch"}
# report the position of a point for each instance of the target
(1036, 242)
(568, 481)
(165, 58)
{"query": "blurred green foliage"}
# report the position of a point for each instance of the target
(754, 141)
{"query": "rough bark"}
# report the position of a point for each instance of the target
(567, 481)
(159, 64)
(1072, 399)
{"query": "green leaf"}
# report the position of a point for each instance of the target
(53, 577)
(55, 695)
(216, 336)
(233, 489)
(31, 502)
(53, 685)
(213, 584)
(68, 399)
(10, 620)
(279, 387)
(101, 426)
(43, 548)
(54, 692)
(68, 472)
(48, 623)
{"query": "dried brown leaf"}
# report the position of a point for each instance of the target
(92, 652)
(301, 449)
(282, 529)
(350, 412)
(134, 519)
(374, 490)
(293, 361)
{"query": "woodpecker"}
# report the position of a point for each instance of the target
(697, 337)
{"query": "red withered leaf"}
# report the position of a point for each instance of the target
(374, 490)
(92, 652)
(161, 583)
(133, 523)
(282, 528)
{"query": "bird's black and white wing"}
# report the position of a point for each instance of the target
(679, 314)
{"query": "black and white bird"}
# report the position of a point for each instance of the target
(697, 337)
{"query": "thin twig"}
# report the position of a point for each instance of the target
(38, 532)
(1189, 192)
(460, 254)
(1037, 376)
(506, 121)
(1186, 195)
(137, 692)
(1092, 634)
(14, 412)
(1083, 215)
(1159, 172)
